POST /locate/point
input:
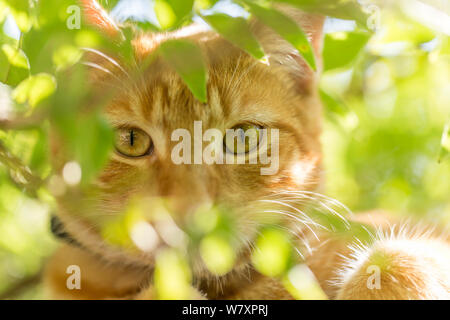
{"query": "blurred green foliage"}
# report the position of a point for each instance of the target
(386, 135)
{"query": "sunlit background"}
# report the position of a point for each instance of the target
(386, 137)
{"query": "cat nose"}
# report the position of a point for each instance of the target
(182, 208)
(184, 190)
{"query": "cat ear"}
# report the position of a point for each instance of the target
(96, 15)
(282, 53)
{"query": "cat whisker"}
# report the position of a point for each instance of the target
(306, 223)
(108, 58)
(241, 78)
(323, 197)
(289, 206)
(238, 62)
(319, 205)
(295, 219)
(98, 67)
(297, 236)
(320, 199)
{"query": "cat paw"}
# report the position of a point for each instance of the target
(151, 294)
(397, 269)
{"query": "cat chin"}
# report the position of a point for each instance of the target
(90, 241)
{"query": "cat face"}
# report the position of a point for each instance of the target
(149, 104)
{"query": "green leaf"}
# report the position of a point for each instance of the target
(21, 5)
(38, 160)
(5, 39)
(145, 26)
(204, 4)
(30, 146)
(93, 145)
(333, 104)
(218, 254)
(35, 89)
(125, 48)
(66, 56)
(302, 284)
(87, 136)
(237, 31)
(109, 4)
(14, 66)
(172, 276)
(187, 59)
(344, 9)
(22, 20)
(53, 44)
(3, 13)
(273, 252)
(20, 11)
(445, 143)
(54, 13)
(172, 13)
(16, 57)
(285, 27)
(342, 48)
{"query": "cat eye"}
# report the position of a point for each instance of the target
(133, 142)
(243, 138)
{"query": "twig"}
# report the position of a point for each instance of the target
(21, 286)
(20, 174)
(22, 123)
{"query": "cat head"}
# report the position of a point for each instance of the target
(151, 105)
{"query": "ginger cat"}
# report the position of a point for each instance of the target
(145, 111)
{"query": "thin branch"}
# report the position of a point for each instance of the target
(21, 123)
(21, 286)
(20, 174)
